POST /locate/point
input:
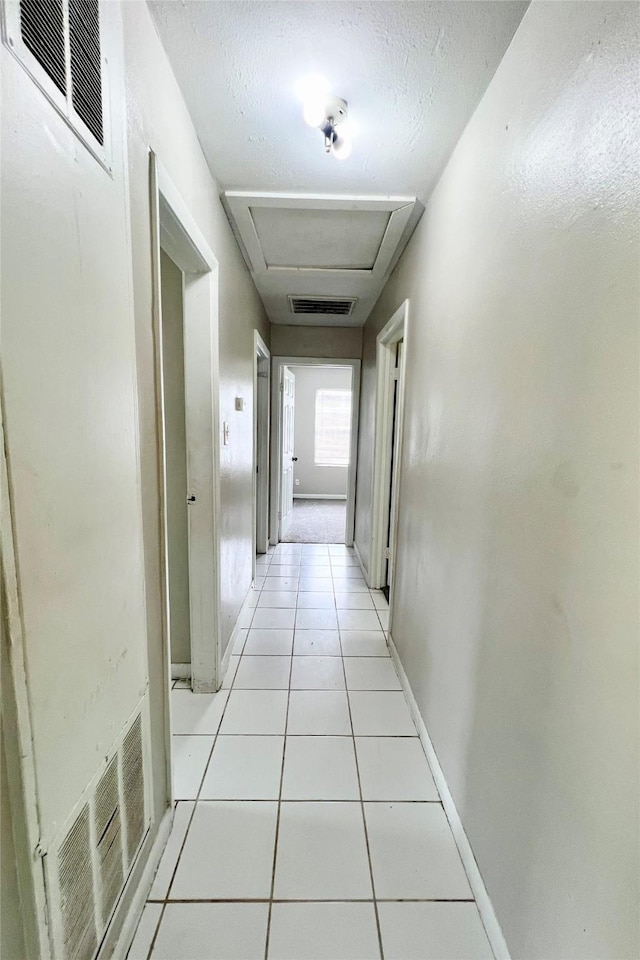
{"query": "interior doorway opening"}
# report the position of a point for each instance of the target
(390, 388)
(261, 430)
(315, 404)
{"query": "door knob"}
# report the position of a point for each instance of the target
(191, 499)
(294, 459)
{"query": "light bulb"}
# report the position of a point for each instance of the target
(341, 147)
(314, 111)
(312, 87)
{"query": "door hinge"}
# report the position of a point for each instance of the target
(395, 373)
(387, 554)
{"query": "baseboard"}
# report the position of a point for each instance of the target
(483, 901)
(319, 496)
(365, 572)
(143, 883)
(226, 657)
(181, 671)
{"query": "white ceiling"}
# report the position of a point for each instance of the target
(412, 73)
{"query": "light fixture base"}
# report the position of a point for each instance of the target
(336, 110)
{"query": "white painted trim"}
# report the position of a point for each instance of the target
(480, 893)
(181, 671)
(18, 736)
(396, 329)
(175, 231)
(276, 446)
(319, 496)
(142, 890)
(365, 572)
(262, 409)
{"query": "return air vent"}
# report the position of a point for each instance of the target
(328, 306)
(59, 43)
(108, 838)
(133, 787)
(95, 857)
(42, 29)
(86, 77)
(76, 891)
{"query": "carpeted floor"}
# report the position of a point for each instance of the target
(317, 521)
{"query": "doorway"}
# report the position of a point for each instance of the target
(261, 418)
(315, 404)
(390, 389)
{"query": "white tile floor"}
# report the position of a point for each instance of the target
(307, 821)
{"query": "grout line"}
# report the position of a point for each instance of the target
(364, 820)
(186, 833)
(275, 845)
(320, 900)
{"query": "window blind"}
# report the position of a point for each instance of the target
(332, 428)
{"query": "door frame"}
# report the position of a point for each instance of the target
(277, 364)
(394, 330)
(261, 424)
(175, 231)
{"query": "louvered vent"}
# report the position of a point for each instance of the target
(108, 839)
(330, 306)
(42, 30)
(133, 787)
(59, 43)
(76, 891)
(86, 76)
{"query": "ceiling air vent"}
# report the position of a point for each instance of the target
(323, 306)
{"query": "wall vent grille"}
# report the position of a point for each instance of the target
(133, 787)
(108, 838)
(42, 29)
(86, 76)
(76, 891)
(327, 306)
(94, 859)
(60, 45)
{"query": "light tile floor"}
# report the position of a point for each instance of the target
(307, 822)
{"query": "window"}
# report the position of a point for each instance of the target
(333, 428)
(58, 42)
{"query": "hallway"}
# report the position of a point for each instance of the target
(308, 824)
(317, 521)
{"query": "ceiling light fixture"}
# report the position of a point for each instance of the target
(326, 112)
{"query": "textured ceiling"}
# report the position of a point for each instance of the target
(412, 73)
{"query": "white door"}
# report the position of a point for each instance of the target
(395, 467)
(288, 420)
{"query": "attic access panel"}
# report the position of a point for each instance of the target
(320, 239)
(320, 247)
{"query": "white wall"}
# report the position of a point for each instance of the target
(69, 390)
(332, 343)
(158, 119)
(316, 480)
(80, 405)
(516, 605)
(176, 454)
(11, 933)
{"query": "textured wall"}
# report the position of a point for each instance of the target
(159, 119)
(69, 385)
(516, 604)
(331, 343)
